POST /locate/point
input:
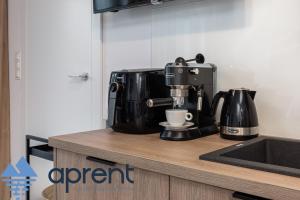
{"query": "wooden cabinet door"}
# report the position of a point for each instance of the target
(88, 188)
(150, 185)
(146, 186)
(181, 189)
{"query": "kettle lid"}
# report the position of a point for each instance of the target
(243, 91)
(240, 89)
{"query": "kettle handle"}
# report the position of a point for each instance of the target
(216, 101)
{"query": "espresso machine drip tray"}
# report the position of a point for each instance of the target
(185, 134)
(180, 134)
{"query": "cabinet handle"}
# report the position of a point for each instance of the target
(244, 196)
(98, 160)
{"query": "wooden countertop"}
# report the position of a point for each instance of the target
(179, 159)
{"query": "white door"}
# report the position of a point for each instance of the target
(62, 40)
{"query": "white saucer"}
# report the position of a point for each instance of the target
(168, 126)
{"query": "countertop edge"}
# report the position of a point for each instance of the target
(201, 176)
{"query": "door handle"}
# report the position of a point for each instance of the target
(83, 77)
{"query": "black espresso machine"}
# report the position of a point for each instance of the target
(191, 87)
(138, 99)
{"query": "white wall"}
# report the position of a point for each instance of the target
(254, 43)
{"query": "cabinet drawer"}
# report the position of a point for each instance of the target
(181, 189)
(98, 179)
(112, 181)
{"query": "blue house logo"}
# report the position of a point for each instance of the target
(19, 179)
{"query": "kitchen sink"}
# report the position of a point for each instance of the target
(270, 154)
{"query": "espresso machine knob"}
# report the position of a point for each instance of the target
(181, 61)
(200, 59)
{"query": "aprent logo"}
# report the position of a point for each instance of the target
(19, 179)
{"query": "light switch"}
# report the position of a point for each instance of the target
(18, 65)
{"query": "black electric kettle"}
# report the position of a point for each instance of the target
(238, 116)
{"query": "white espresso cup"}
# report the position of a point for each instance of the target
(177, 117)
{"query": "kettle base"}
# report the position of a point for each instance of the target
(238, 137)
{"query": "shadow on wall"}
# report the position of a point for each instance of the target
(181, 17)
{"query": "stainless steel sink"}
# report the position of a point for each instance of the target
(270, 154)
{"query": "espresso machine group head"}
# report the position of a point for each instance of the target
(181, 77)
(191, 88)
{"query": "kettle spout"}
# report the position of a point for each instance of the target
(252, 94)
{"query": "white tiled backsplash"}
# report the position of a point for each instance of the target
(254, 43)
